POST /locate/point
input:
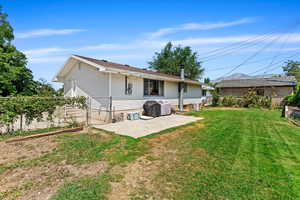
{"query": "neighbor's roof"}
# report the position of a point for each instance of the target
(259, 82)
(111, 65)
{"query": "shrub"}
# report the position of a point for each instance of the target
(293, 99)
(249, 100)
(215, 97)
(33, 108)
(229, 101)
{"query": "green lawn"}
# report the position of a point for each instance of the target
(240, 154)
(231, 154)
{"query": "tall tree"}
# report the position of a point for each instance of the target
(292, 68)
(45, 89)
(170, 59)
(207, 80)
(15, 78)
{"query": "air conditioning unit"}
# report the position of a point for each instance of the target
(133, 116)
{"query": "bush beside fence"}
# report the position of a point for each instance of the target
(249, 100)
(33, 109)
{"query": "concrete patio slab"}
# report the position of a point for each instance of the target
(140, 128)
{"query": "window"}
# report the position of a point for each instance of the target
(204, 93)
(260, 92)
(185, 86)
(153, 87)
(128, 87)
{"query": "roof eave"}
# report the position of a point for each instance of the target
(59, 74)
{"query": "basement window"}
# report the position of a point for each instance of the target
(153, 87)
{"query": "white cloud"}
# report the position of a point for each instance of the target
(106, 47)
(47, 59)
(43, 51)
(198, 26)
(47, 32)
(140, 48)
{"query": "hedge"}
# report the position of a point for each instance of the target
(33, 108)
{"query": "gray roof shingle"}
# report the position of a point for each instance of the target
(258, 82)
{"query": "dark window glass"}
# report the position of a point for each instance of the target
(260, 92)
(184, 87)
(153, 87)
(204, 93)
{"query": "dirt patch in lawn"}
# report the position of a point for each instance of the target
(17, 151)
(41, 182)
(139, 177)
(38, 180)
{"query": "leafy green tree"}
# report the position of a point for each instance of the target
(292, 68)
(45, 89)
(206, 80)
(170, 59)
(60, 91)
(15, 78)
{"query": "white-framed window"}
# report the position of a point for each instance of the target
(185, 87)
(153, 87)
(128, 86)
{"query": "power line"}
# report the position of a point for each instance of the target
(250, 62)
(234, 49)
(263, 68)
(256, 53)
(249, 58)
(211, 55)
(283, 44)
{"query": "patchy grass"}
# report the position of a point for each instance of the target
(92, 188)
(5, 136)
(86, 148)
(76, 155)
(231, 154)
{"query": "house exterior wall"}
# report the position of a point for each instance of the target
(88, 82)
(95, 84)
(268, 91)
(118, 87)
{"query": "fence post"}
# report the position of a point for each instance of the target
(21, 122)
(110, 109)
(87, 112)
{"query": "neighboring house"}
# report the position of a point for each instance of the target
(128, 86)
(276, 87)
(207, 90)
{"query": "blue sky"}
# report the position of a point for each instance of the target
(129, 32)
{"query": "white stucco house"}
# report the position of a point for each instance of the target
(128, 86)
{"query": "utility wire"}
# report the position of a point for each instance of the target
(250, 62)
(262, 49)
(249, 58)
(263, 68)
(211, 55)
(237, 48)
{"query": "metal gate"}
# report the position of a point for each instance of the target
(99, 110)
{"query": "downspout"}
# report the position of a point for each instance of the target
(181, 88)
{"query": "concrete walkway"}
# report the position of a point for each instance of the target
(140, 128)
